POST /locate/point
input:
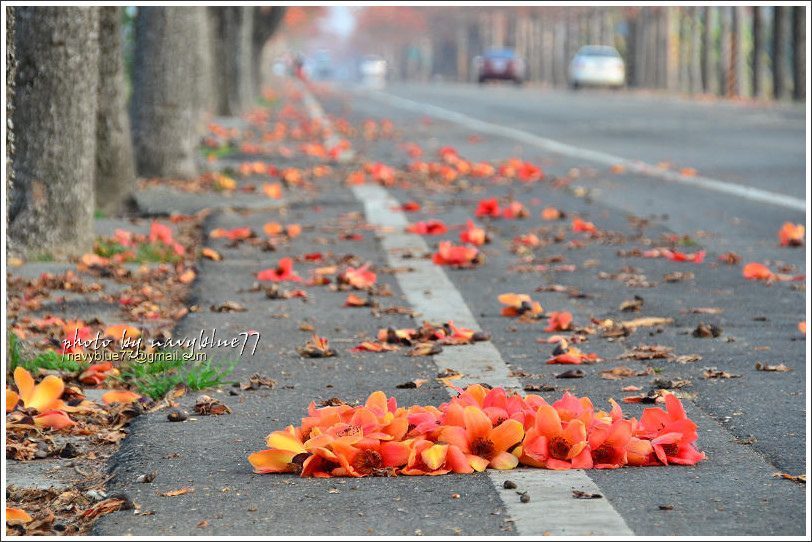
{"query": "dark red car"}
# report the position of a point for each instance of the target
(500, 64)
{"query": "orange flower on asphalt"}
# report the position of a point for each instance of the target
(430, 227)
(53, 419)
(671, 433)
(160, 232)
(559, 321)
(515, 209)
(527, 239)
(232, 235)
(483, 444)
(579, 226)
(355, 301)
(571, 356)
(802, 327)
(474, 235)
(41, 397)
(16, 515)
(519, 305)
(293, 230)
(284, 271)
(482, 169)
(360, 279)
(757, 271)
(369, 346)
(273, 228)
(356, 178)
(791, 235)
(607, 444)
(98, 373)
(120, 396)
(272, 190)
(447, 254)
(675, 255)
(488, 207)
(555, 445)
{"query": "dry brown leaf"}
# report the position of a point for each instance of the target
(646, 322)
(619, 373)
(780, 368)
(228, 306)
(646, 352)
(707, 331)
(799, 479)
(176, 492)
(632, 305)
(713, 373)
(690, 358)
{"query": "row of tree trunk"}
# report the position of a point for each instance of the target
(719, 50)
(74, 145)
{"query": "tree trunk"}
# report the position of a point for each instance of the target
(725, 71)
(164, 112)
(115, 169)
(695, 70)
(11, 76)
(739, 57)
(205, 94)
(266, 22)
(55, 125)
(799, 53)
(779, 52)
(758, 51)
(233, 33)
(708, 48)
(559, 53)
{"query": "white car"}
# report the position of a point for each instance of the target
(599, 65)
(373, 71)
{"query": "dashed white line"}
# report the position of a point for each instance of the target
(428, 289)
(598, 157)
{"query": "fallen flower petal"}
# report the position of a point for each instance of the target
(791, 235)
(54, 419)
(284, 271)
(17, 515)
(120, 396)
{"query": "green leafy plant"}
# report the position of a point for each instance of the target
(53, 361)
(155, 251)
(165, 370)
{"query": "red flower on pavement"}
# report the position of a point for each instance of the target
(791, 235)
(474, 235)
(284, 271)
(488, 207)
(447, 254)
(430, 227)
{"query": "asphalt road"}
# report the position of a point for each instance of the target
(750, 427)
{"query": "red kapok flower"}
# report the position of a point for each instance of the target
(447, 254)
(284, 271)
(559, 321)
(474, 235)
(519, 305)
(430, 227)
(488, 207)
(360, 279)
(791, 235)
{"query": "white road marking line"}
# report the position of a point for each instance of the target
(605, 159)
(430, 292)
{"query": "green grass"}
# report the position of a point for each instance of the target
(99, 214)
(47, 360)
(167, 369)
(155, 251)
(219, 152)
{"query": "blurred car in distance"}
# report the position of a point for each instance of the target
(499, 64)
(598, 65)
(373, 71)
(322, 66)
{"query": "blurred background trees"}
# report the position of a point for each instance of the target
(99, 95)
(733, 51)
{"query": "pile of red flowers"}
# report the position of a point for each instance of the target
(477, 429)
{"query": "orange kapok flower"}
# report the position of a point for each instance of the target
(284, 271)
(42, 396)
(559, 321)
(791, 235)
(11, 399)
(483, 444)
(474, 235)
(757, 271)
(232, 235)
(555, 445)
(802, 327)
(273, 228)
(96, 374)
(550, 213)
(160, 232)
(607, 444)
(53, 419)
(430, 227)
(671, 433)
(515, 210)
(579, 225)
(447, 254)
(360, 279)
(488, 207)
(17, 515)
(272, 190)
(119, 396)
(519, 305)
